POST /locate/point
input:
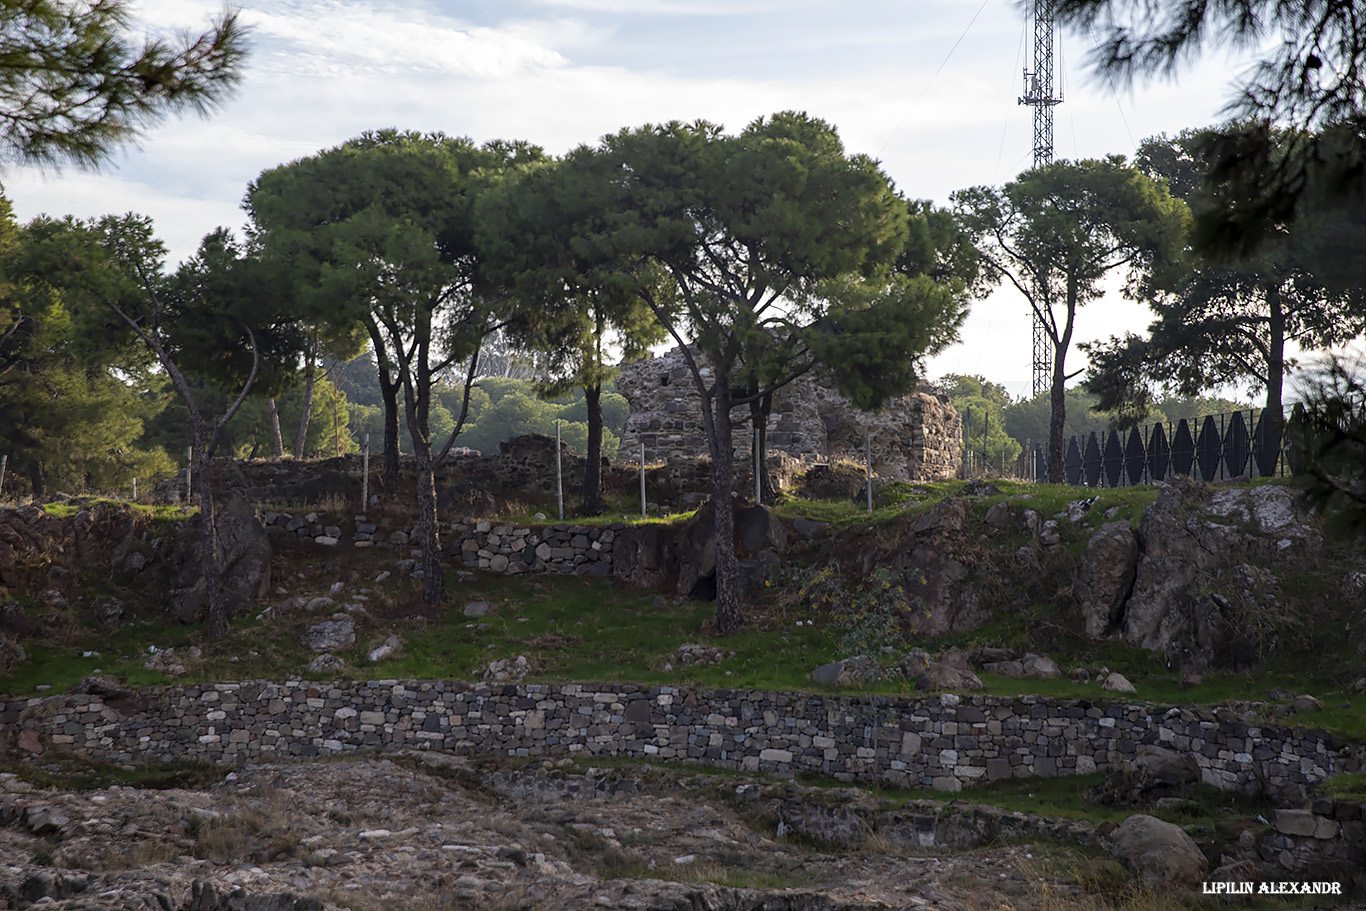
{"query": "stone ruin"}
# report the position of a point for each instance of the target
(915, 437)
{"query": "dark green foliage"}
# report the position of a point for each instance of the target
(1336, 447)
(1056, 232)
(778, 247)
(72, 396)
(74, 84)
(983, 406)
(379, 234)
(1233, 318)
(1309, 78)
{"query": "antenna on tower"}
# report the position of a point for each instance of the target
(1039, 95)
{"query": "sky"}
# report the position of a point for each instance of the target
(929, 88)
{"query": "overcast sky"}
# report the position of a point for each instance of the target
(928, 87)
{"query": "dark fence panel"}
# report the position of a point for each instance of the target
(1239, 444)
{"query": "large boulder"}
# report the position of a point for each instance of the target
(332, 635)
(1155, 773)
(945, 676)
(1191, 592)
(246, 561)
(1106, 577)
(683, 557)
(758, 529)
(694, 554)
(639, 554)
(1159, 854)
(934, 568)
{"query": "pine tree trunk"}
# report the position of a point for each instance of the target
(759, 411)
(428, 531)
(417, 396)
(592, 472)
(1057, 391)
(277, 439)
(388, 475)
(1057, 423)
(37, 480)
(728, 614)
(1275, 361)
(211, 564)
(388, 392)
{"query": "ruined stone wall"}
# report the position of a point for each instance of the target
(943, 741)
(917, 436)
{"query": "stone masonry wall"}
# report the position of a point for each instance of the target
(1327, 838)
(561, 548)
(943, 741)
(915, 437)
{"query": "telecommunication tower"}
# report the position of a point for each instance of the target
(1038, 87)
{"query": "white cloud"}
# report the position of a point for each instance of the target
(561, 73)
(645, 8)
(329, 37)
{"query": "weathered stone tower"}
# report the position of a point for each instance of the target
(916, 437)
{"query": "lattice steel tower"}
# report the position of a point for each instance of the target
(1038, 86)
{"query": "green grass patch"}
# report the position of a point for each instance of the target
(67, 508)
(77, 773)
(1345, 786)
(584, 629)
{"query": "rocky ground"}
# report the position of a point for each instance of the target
(398, 833)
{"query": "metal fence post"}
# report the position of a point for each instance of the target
(4, 460)
(559, 473)
(758, 485)
(986, 423)
(189, 486)
(868, 454)
(967, 437)
(642, 479)
(365, 477)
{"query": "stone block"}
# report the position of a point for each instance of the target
(1295, 822)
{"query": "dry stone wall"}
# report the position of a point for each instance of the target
(945, 741)
(1328, 837)
(918, 436)
(561, 548)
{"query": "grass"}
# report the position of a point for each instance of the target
(1345, 786)
(582, 629)
(68, 508)
(72, 772)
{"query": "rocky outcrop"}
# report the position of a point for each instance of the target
(246, 553)
(39, 550)
(28, 537)
(1105, 577)
(932, 567)
(1194, 584)
(683, 558)
(411, 831)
